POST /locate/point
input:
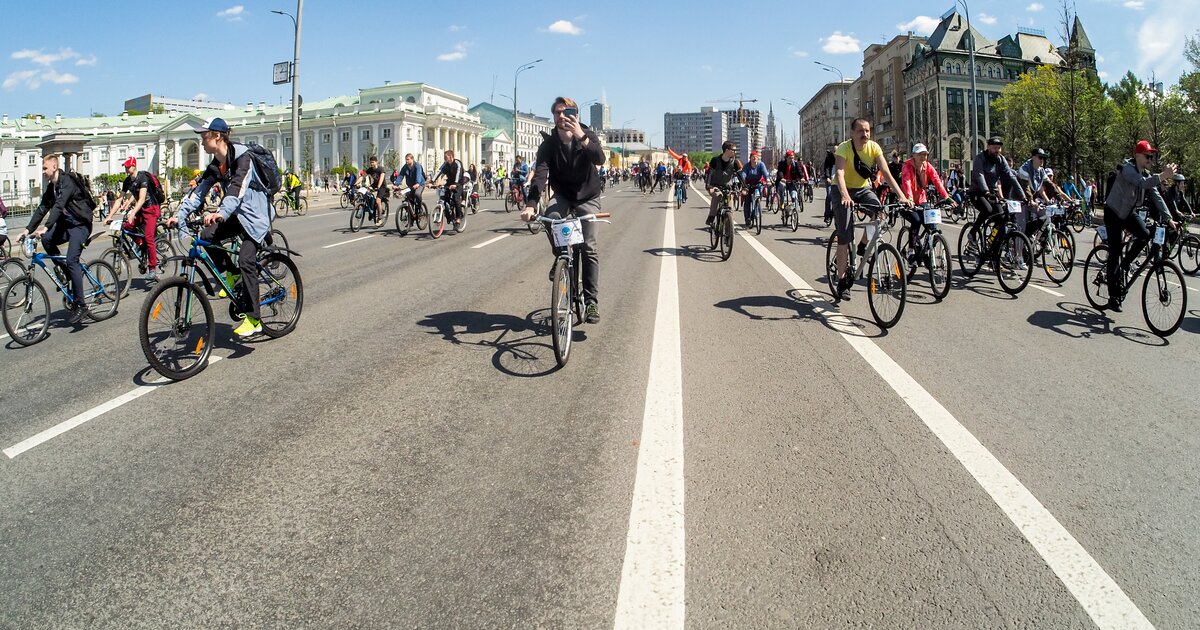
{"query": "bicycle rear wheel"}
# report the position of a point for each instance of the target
(831, 277)
(886, 287)
(561, 318)
(460, 225)
(939, 267)
(174, 340)
(727, 237)
(1058, 259)
(1164, 298)
(10, 270)
(970, 250)
(437, 221)
(302, 209)
(1189, 254)
(281, 294)
(103, 291)
(1014, 262)
(117, 260)
(26, 309)
(381, 213)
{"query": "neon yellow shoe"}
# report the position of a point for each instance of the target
(250, 326)
(230, 279)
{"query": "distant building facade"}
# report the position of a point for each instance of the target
(700, 131)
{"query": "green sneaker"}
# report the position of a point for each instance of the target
(250, 326)
(230, 279)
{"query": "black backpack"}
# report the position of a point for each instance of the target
(154, 189)
(85, 186)
(266, 168)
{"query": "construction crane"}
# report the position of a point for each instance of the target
(741, 100)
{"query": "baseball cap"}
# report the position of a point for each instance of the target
(995, 140)
(1049, 172)
(790, 153)
(1144, 147)
(754, 154)
(216, 124)
(129, 161)
(1040, 152)
(919, 148)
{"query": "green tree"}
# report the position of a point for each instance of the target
(1130, 121)
(700, 159)
(391, 160)
(306, 155)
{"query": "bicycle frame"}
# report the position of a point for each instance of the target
(40, 259)
(879, 227)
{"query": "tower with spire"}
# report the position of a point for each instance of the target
(771, 141)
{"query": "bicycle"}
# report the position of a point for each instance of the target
(887, 285)
(756, 208)
(176, 325)
(791, 205)
(348, 198)
(1163, 291)
(1187, 248)
(366, 204)
(26, 305)
(566, 295)
(284, 204)
(932, 251)
(1054, 245)
(411, 213)
(1078, 216)
(808, 191)
(472, 197)
(997, 241)
(679, 192)
(125, 250)
(516, 198)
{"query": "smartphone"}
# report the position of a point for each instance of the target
(571, 111)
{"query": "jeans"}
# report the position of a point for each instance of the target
(247, 266)
(748, 200)
(589, 252)
(1116, 226)
(76, 235)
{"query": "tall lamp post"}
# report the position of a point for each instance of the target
(516, 142)
(842, 80)
(973, 101)
(296, 20)
(800, 121)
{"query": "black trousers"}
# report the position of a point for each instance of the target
(1116, 226)
(247, 265)
(75, 235)
(589, 251)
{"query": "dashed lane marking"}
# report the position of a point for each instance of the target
(353, 240)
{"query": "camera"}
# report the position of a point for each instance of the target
(571, 111)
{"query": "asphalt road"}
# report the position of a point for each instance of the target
(411, 457)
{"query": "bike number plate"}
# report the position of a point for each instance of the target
(1014, 206)
(568, 233)
(933, 216)
(1160, 235)
(1103, 232)
(114, 228)
(1053, 211)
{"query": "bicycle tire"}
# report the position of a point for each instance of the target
(117, 260)
(104, 293)
(10, 270)
(460, 226)
(561, 318)
(714, 234)
(1015, 250)
(758, 217)
(344, 201)
(381, 214)
(1189, 254)
(794, 219)
(282, 206)
(302, 209)
(534, 226)
(1080, 220)
(1164, 291)
(357, 216)
(1058, 259)
(970, 253)
(26, 309)
(437, 217)
(902, 241)
(404, 219)
(727, 237)
(509, 202)
(174, 346)
(887, 289)
(939, 267)
(281, 294)
(831, 264)
(1095, 272)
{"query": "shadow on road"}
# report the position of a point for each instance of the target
(1080, 321)
(795, 306)
(522, 345)
(697, 252)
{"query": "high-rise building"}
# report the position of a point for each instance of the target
(880, 92)
(701, 131)
(823, 117)
(600, 117)
(750, 118)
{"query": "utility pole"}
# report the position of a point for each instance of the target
(971, 102)
(295, 75)
(516, 143)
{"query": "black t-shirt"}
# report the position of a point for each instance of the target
(135, 183)
(453, 171)
(372, 174)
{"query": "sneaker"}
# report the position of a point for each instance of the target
(1114, 306)
(592, 315)
(77, 315)
(231, 279)
(250, 326)
(844, 288)
(151, 276)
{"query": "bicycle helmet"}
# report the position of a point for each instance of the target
(1180, 178)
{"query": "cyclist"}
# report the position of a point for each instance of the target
(519, 176)
(292, 186)
(376, 180)
(1132, 184)
(69, 221)
(1176, 197)
(916, 175)
(789, 174)
(660, 176)
(682, 174)
(754, 175)
(1034, 174)
(989, 170)
(643, 171)
(567, 158)
(244, 211)
(143, 213)
(722, 170)
(452, 176)
(412, 177)
(854, 188)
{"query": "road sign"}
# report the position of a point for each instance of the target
(282, 72)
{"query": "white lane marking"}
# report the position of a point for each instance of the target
(90, 414)
(325, 214)
(1168, 282)
(651, 594)
(490, 241)
(353, 240)
(1100, 596)
(3, 336)
(1045, 290)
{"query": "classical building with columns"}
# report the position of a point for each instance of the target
(405, 118)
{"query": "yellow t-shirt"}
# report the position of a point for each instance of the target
(869, 155)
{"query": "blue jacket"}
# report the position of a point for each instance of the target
(414, 176)
(753, 175)
(244, 195)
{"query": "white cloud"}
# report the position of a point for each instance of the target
(839, 44)
(454, 28)
(90, 61)
(1160, 41)
(706, 68)
(233, 14)
(800, 53)
(1103, 75)
(1136, 5)
(1099, 58)
(43, 58)
(460, 53)
(33, 79)
(67, 92)
(986, 19)
(1035, 7)
(921, 25)
(565, 27)
(200, 97)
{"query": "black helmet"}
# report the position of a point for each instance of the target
(1039, 152)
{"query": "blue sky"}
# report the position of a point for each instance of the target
(646, 58)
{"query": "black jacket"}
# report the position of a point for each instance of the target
(63, 196)
(570, 168)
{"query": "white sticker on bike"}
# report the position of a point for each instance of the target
(569, 232)
(1014, 206)
(933, 216)
(114, 228)
(1053, 211)
(1160, 235)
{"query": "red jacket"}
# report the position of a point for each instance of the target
(913, 189)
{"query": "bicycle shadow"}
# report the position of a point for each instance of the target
(797, 306)
(801, 240)
(1080, 321)
(1191, 321)
(962, 283)
(519, 349)
(695, 252)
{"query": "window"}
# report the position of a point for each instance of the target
(366, 134)
(345, 136)
(325, 163)
(387, 133)
(326, 138)
(103, 154)
(421, 134)
(32, 185)
(408, 133)
(287, 141)
(270, 143)
(32, 159)
(958, 68)
(141, 152)
(7, 186)
(87, 157)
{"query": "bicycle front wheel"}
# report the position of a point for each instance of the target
(344, 201)
(1080, 220)
(176, 329)
(117, 260)
(357, 216)
(794, 219)
(26, 310)
(758, 218)
(404, 219)
(1095, 277)
(727, 237)
(437, 221)
(103, 292)
(939, 267)
(1058, 259)
(281, 294)
(1164, 298)
(561, 320)
(1014, 262)
(887, 288)
(831, 277)
(281, 207)
(1189, 254)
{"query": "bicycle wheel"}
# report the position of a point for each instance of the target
(831, 277)
(902, 241)
(1164, 298)
(886, 287)
(26, 310)
(758, 217)
(939, 267)
(281, 207)
(1058, 259)
(302, 209)
(1014, 262)
(437, 221)
(102, 292)
(794, 219)
(1189, 254)
(460, 225)
(381, 214)
(509, 202)
(10, 270)
(714, 233)
(117, 260)
(727, 237)
(344, 201)
(174, 340)
(281, 294)
(534, 226)
(357, 216)
(561, 319)
(1095, 277)
(1080, 220)
(278, 240)
(404, 219)
(970, 250)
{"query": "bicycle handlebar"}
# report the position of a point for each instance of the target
(585, 217)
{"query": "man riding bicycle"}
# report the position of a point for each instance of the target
(141, 211)
(519, 177)
(722, 170)
(567, 159)
(754, 175)
(412, 177)
(988, 172)
(376, 180)
(452, 177)
(292, 186)
(789, 175)
(1132, 187)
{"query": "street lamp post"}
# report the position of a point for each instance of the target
(800, 122)
(296, 20)
(842, 80)
(523, 68)
(973, 101)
